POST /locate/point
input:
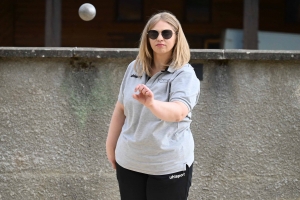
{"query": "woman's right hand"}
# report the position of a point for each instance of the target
(112, 159)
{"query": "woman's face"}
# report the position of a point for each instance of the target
(161, 45)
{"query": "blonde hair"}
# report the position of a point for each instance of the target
(181, 51)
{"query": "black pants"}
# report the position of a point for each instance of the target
(138, 186)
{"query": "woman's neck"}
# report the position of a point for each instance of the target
(160, 62)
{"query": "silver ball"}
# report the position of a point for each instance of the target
(87, 12)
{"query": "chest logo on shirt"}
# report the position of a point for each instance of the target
(163, 80)
(135, 76)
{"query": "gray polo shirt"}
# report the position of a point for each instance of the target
(148, 144)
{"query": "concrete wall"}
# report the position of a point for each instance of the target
(56, 104)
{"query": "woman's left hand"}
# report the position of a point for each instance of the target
(144, 96)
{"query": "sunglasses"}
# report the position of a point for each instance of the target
(166, 34)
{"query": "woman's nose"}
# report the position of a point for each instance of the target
(160, 37)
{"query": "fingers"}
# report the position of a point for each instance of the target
(112, 160)
(114, 166)
(143, 89)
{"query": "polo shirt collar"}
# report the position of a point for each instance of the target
(170, 68)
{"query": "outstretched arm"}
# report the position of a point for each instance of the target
(167, 111)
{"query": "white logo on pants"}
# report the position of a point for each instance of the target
(177, 176)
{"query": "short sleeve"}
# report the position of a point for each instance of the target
(121, 92)
(185, 87)
(122, 87)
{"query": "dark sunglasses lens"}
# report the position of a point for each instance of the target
(152, 34)
(167, 34)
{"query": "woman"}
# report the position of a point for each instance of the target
(149, 140)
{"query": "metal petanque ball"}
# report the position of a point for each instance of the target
(87, 12)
